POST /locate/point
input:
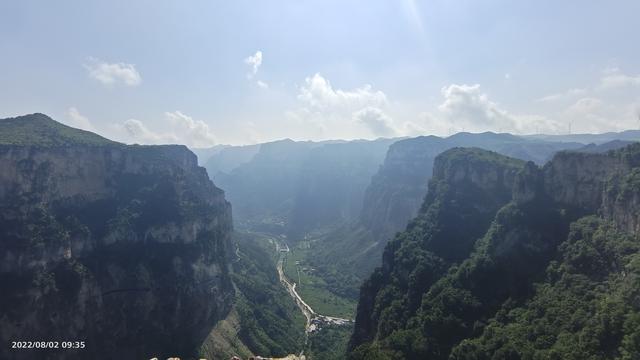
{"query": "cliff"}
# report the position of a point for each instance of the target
(123, 247)
(397, 191)
(395, 195)
(489, 263)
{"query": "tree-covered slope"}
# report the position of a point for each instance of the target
(40, 130)
(265, 320)
(531, 277)
(584, 308)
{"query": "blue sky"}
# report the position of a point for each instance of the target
(206, 72)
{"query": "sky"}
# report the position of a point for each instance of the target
(202, 73)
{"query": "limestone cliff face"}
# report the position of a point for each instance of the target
(578, 179)
(398, 189)
(605, 183)
(123, 247)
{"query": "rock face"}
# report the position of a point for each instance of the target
(397, 191)
(604, 183)
(488, 230)
(123, 247)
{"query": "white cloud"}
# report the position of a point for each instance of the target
(614, 78)
(77, 120)
(586, 105)
(591, 115)
(326, 112)
(262, 84)
(194, 133)
(467, 108)
(318, 94)
(470, 108)
(254, 61)
(377, 121)
(110, 74)
(177, 128)
(138, 132)
(571, 93)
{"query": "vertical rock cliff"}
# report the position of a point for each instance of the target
(490, 267)
(123, 247)
(396, 193)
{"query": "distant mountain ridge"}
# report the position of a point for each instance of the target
(627, 135)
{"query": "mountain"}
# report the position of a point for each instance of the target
(229, 158)
(126, 248)
(507, 260)
(295, 187)
(205, 154)
(39, 130)
(628, 135)
(395, 195)
(604, 147)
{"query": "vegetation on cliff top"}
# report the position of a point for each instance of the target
(40, 130)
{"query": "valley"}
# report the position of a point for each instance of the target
(345, 250)
(311, 285)
(319, 180)
(322, 266)
(317, 324)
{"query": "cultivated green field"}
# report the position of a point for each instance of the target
(312, 288)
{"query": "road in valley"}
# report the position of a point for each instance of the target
(314, 320)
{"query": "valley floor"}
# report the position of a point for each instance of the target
(328, 317)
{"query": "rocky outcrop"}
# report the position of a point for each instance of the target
(123, 247)
(604, 183)
(578, 179)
